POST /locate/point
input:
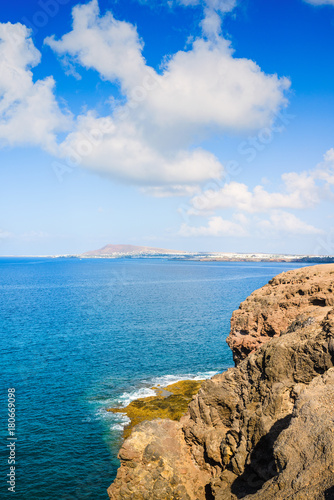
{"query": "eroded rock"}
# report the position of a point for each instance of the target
(291, 299)
(157, 465)
(261, 431)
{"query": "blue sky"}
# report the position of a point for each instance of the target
(183, 124)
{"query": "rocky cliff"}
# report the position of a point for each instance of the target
(262, 430)
(267, 312)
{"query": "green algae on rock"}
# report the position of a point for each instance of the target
(170, 402)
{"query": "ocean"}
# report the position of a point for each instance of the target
(79, 336)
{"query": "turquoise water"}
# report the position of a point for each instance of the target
(78, 336)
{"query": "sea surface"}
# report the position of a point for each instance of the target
(79, 336)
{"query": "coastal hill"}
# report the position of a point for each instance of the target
(262, 430)
(123, 250)
(135, 251)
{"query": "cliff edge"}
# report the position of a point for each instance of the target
(263, 430)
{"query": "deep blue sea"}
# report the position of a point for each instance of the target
(79, 336)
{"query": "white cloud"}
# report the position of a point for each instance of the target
(325, 170)
(279, 223)
(29, 113)
(320, 2)
(221, 5)
(213, 9)
(111, 47)
(284, 222)
(300, 192)
(201, 90)
(211, 24)
(329, 156)
(207, 87)
(217, 226)
(121, 149)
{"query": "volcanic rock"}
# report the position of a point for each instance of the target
(263, 430)
(295, 296)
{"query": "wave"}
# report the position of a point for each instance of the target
(164, 380)
(118, 421)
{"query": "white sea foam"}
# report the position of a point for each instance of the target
(127, 397)
(120, 420)
(117, 427)
(164, 380)
(102, 413)
(117, 421)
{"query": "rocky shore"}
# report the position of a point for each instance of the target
(263, 430)
(169, 402)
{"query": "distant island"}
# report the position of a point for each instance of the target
(129, 250)
(133, 251)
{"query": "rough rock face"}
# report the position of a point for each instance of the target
(261, 431)
(267, 312)
(157, 465)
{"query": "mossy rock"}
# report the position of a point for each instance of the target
(170, 402)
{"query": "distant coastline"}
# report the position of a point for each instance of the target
(218, 257)
(139, 252)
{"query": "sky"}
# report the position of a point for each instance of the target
(195, 125)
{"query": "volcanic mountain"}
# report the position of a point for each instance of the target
(111, 250)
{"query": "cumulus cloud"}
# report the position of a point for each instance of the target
(329, 156)
(217, 226)
(151, 137)
(278, 224)
(300, 192)
(29, 112)
(121, 149)
(325, 170)
(213, 10)
(208, 87)
(285, 222)
(203, 86)
(211, 24)
(111, 47)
